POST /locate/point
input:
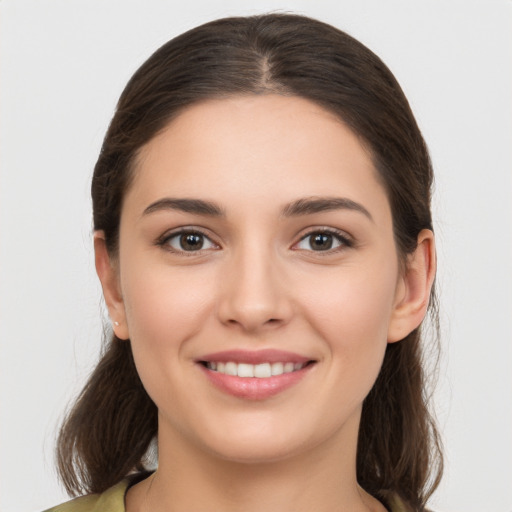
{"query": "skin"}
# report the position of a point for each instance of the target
(256, 284)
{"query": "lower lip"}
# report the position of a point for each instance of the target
(254, 388)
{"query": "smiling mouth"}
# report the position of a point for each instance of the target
(260, 371)
(255, 374)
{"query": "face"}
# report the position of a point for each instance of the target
(257, 278)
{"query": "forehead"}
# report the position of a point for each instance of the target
(268, 147)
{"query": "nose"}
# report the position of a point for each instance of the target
(254, 295)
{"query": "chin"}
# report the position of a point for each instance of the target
(260, 442)
(255, 453)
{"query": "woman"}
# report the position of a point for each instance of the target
(264, 241)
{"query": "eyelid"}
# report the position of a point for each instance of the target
(163, 240)
(346, 241)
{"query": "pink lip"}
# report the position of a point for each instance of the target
(253, 388)
(255, 357)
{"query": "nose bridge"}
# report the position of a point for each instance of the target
(254, 294)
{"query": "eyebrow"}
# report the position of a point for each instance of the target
(310, 205)
(303, 206)
(196, 206)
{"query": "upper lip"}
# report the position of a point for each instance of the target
(254, 357)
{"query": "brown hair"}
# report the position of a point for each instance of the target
(107, 433)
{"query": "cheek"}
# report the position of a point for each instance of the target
(164, 309)
(351, 313)
(356, 304)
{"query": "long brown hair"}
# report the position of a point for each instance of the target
(107, 433)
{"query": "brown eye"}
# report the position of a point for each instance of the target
(319, 241)
(191, 241)
(188, 241)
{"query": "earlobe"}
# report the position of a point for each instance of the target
(413, 290)
(109, 278)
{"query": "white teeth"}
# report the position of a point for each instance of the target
(245, 370)
(231, 369)
(277, 368)
(260, 371)
(289, 367)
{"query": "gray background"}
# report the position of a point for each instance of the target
(63, 65)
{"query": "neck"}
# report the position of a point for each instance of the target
(190, 479)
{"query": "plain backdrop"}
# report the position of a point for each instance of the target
(63, 65)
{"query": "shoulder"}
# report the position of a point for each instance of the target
(395, 504)
(112, 500)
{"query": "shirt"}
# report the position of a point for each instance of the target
(112, 500)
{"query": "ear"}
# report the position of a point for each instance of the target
(413, 290)
(108, 273)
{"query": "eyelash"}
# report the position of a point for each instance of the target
(341, 237)
(164, 240)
